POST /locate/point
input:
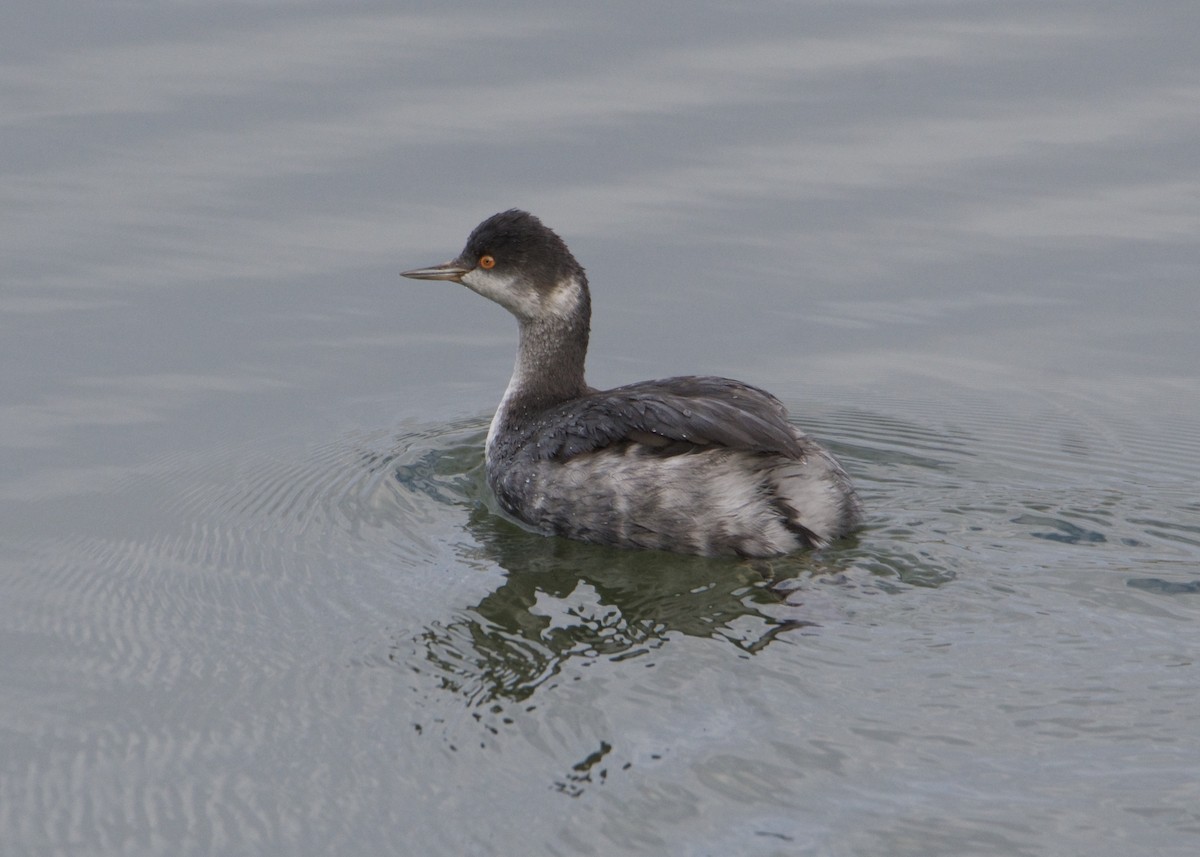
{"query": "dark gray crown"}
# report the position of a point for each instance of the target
(520, 243)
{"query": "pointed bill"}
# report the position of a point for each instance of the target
(452, 271)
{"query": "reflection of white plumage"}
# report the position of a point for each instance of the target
(693, 464)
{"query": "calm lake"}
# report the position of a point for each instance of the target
(254, 597)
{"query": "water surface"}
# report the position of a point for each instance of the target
(254, 597)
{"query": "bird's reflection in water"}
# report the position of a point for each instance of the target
(564, 600)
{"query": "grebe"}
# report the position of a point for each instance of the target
(693, 464)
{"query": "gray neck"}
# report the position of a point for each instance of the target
(548, 370)
(550, 362)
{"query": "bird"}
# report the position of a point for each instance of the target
(693, 464)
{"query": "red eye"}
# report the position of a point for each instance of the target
(487, 262)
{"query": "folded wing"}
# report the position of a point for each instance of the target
(673, 415)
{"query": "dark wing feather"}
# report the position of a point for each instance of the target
(695, 410)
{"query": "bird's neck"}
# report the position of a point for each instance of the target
(548, 371)
(550, 363)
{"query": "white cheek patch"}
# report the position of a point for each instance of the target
(504, 290)
(522, 300)
(563, 302)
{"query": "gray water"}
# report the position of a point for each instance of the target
(253, 597)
